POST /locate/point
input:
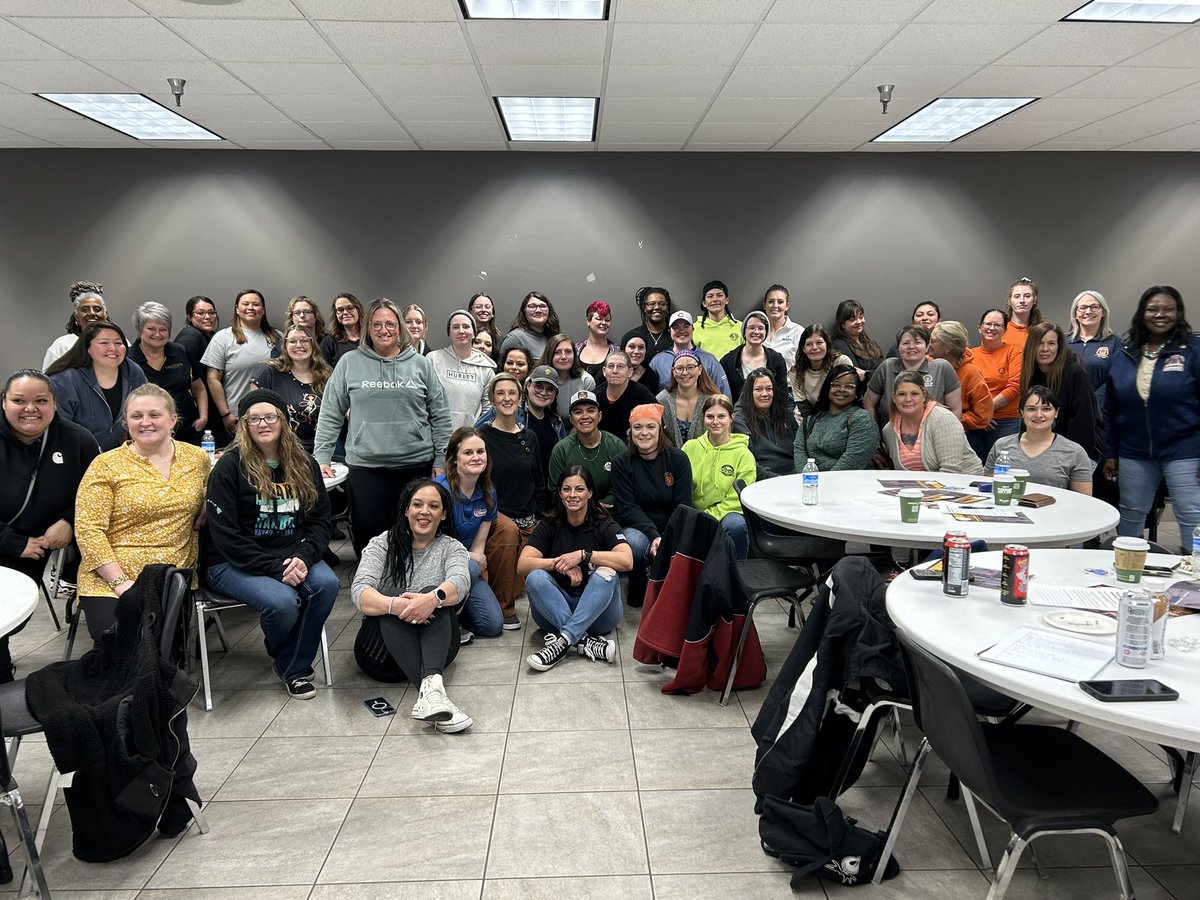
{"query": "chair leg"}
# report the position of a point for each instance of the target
(221, 635)
(33, 862)
(898, 738)
(50, 604)
(203, 638)
(325, 657)
(1008, 867)
(985, 856)
(198, 816)
(1116, 852)
(1188, 773)
(901, 810)
(1037, 863)
(737, 656)
(72, 629)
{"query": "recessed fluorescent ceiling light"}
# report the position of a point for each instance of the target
(1100, 11)
(135, 115)
(949, 118)
(548, 118)
(534, 9)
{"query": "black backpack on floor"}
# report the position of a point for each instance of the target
(819, 840)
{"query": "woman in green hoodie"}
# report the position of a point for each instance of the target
(719, 458)
(399, 421)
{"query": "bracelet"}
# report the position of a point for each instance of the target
(226, 414)
(112, 585)
(391, 600)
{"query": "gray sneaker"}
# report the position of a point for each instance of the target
(546, 658)
(511, 623)
(598, 648)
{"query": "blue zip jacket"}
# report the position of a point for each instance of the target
(80, 400)
(1165, 427)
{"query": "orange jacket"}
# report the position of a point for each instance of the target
(1001, 370)
(976, 398)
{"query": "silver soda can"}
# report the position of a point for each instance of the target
(1135, 617)
(1158, 629)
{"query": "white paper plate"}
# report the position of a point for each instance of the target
(1080, 621)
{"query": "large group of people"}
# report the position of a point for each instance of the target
(536, 461)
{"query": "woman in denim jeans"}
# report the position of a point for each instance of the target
(570, 566)
(1152, 414)
(268, 525)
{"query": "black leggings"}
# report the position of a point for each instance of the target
(374, 496)
(100, 614)
(389, 649)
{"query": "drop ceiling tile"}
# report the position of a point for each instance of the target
(965, 44)
(191, 145)
(1004, 146)
(646, 132)
(339, 132)
(255, 40)
(373, 145)
(360, 107)
(112, 38)
(500, 43)
(663, 81)
(1075, 146)
(1181, 48)
(706, 147)
(374, 11)
(1028, 132)
(27, 106)
(911, 81)
(423, 81)
(260, 131)
(473, 146)
(297, 78)
(784, 81)
(284, 145)
(17, 44)
(249, 9)
(394, 43)
(830, 44)
(1079, 111)
(75, 128)
(844, 10)
(692, 10)
(715, 44)
(1167, 113)
(202, 108)
(544, 81)
(455, 131)
(619, 147)
(1087, 44)
(748, 132)
(440, 109)
(116, 142)
(865, 110)
(1117, 131)
(832, 133)
(1022, 81)
(813, 148)
(1045, 11)
(652, 109)
(66, 75)
(1185, 138)
(764, 110)
(1134, 81)
(20, 142)
(77, 8)
(203, 76)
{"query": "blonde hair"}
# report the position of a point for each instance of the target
(953, 335)
(154, 392)
(293, 463)
(316, 361)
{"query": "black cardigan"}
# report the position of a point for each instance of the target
(731, 362)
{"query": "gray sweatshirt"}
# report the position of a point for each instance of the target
(444, 560)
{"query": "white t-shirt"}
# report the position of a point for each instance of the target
(238, 362)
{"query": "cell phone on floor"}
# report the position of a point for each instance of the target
(379, 707)
(1129, 689)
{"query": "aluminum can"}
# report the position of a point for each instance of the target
(1135, 618)
(1014, 576)
(956, 564)
(1158, 628)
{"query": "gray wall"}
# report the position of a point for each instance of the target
(889, 229)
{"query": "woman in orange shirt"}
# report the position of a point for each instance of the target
(949, 342)
(1000, 365)
(1023, 311)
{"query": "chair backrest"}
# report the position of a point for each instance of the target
(1107, 544)
(753, 522)
(946, 716)
(176, 587)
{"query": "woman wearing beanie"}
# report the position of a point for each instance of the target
(754, 354)
(463, 371)
(268, 527)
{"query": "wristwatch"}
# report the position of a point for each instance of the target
(441, 597)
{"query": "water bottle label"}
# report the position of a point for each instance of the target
(810, 480)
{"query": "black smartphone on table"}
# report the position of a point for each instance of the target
(1129, 690)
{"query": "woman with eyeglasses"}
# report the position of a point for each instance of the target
(1050, 457)
(268, 527)
(654, 308)
(1091, 338)
(416, 324)
(719, 458)
(560, 355)
(755, 354)
(193, 337)
(1152, 414)
(924, 436)
(535, 321)
(1000, 365)
(1023, 311)
(763, 417)
(87, 300)
(594, 350)
(298, 376)
(618, 395)
(838, 434)
(639, 370)
(1048, 362)
(815, 358)
(166, 364)
(684, 397)
(236, 353)
(303, 311)
(93, 380)
(345, 329)
(399, 421)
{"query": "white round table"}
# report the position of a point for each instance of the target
(340, 473)
(955, 629)
(852, 508)
(18, 598)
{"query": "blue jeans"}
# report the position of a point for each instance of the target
(480, 611)
(984, 439)
(291, 617)
(639, 543)
(735, 526)
(1138, 480)
(592, 608)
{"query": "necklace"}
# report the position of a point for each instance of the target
(595, 450)
(1152, 354)
(665, 333)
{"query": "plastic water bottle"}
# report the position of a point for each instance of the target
(811, 476)
(1003, 461)
(1196, 548)
(209, 445)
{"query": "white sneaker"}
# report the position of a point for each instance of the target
(457, 722)
(433, 706)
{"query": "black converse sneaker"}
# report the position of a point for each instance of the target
(546, 658)
(598, 648)
(301, 689)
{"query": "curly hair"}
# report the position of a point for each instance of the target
(294, 466)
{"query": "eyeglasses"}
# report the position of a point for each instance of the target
(384, 326)
(302, 313)
(536, 307)
(268, 419)
(684, 370)
(297, 342)
(340, 310)
(615, 366)
(1088, 307)
(204, 314)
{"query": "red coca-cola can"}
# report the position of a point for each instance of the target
(1014, 576)
(956, 564)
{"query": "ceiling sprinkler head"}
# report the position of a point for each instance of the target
(177, 89)
(885, 95)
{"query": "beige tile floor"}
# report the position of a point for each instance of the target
(584, 781)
